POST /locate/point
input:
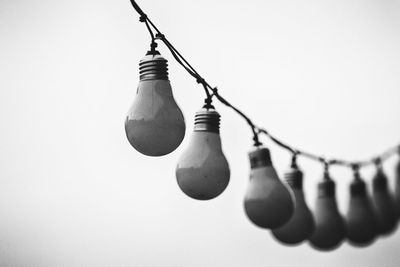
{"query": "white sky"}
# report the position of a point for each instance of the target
(322, 75)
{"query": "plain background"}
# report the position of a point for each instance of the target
(321, 75)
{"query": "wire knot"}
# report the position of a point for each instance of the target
(208, 103)
(294, 159)
(257, 142)
(153, 46)
(160, 36)
(200, 80)
(377, 161)
(143, 18)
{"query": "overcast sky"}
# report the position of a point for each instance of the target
(321, 75)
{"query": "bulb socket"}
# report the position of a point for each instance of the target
(326, 188)
(153, 67)
(358, 189)
(294, 178)
(207, 120)
(380, 183)
(260, 157)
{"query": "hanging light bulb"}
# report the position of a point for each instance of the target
(301, 224)
(154, 125)
(329, 226)
(203, 171)
(268, 203)
(361, 223)
(383, 202)
(397, 186)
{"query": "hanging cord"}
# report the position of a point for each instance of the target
(326, 165)
(293, 163)
(143, 18)
(183, 62)
(153, 44)
(255, 130)
(247, 119)
(192, 71)
(338, 162)
(356, 171)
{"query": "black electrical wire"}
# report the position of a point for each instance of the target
(377, 160)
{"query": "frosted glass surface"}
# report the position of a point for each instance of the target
(155, 125)
(203, 171)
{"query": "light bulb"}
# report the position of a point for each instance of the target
(397, 186)
(329, 225)
(301, 224)
(268, 202)
(383, 203)
(361, 222)
(154, 125)
(203, 171)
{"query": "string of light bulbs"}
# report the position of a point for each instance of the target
(155, 127)
(255, 129)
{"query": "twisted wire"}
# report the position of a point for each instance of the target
(256, 130)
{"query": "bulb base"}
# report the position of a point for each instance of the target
(326, 189)
(380, 183)
(358, 189)
(294, 178)
(207, 120)
(153, 67)
(260, 157)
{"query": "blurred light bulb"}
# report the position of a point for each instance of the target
(154, 125)
(361, 222)
(383, 203)
(397, 186)
(329, 225)
(301, 224)
(268, 203)
(203, 171)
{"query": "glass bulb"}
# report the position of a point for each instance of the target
(361, 222)
(154, 125)
(268, 203)
(203, 171)
(301, 224)
(383, 203)
(329, 225)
